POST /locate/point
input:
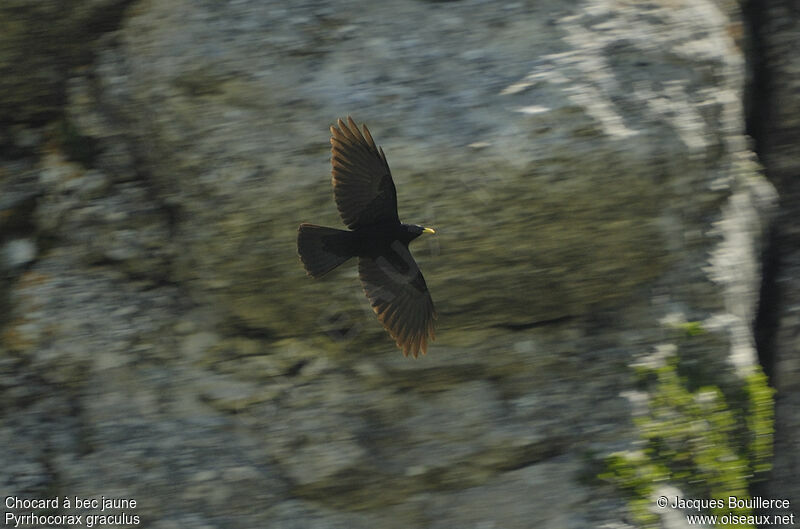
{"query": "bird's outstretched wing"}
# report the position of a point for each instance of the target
(362, 183)
(399, 296)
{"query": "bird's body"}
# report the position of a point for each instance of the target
(375, 240)
(367, 201)
(337, 246)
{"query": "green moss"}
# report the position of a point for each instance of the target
(696, 441)
(693, 328)
(760, 421)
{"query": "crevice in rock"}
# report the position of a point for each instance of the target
(757, 97)
(533, 324)
(757, 86)
(769, 301)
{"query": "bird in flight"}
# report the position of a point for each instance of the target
(367, 202)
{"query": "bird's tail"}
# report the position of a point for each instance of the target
(322, 249)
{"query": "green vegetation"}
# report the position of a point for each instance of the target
(696, 442)
(692, 328)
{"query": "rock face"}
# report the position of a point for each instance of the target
(41, 42)
(583, 162)
(775, 120)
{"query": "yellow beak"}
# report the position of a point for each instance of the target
(428, 230)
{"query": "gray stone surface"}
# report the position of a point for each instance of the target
(40, 42)
(583, 163)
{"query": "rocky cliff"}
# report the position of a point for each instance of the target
(774, 122)
(601, 221)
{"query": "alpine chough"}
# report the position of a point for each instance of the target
(367, 202)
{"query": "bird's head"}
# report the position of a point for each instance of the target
(416, 230)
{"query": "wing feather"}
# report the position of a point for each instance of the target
(399, 296)
(362, 182)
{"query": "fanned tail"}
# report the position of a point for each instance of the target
(322, 249)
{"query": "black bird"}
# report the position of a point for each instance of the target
(367, 201)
